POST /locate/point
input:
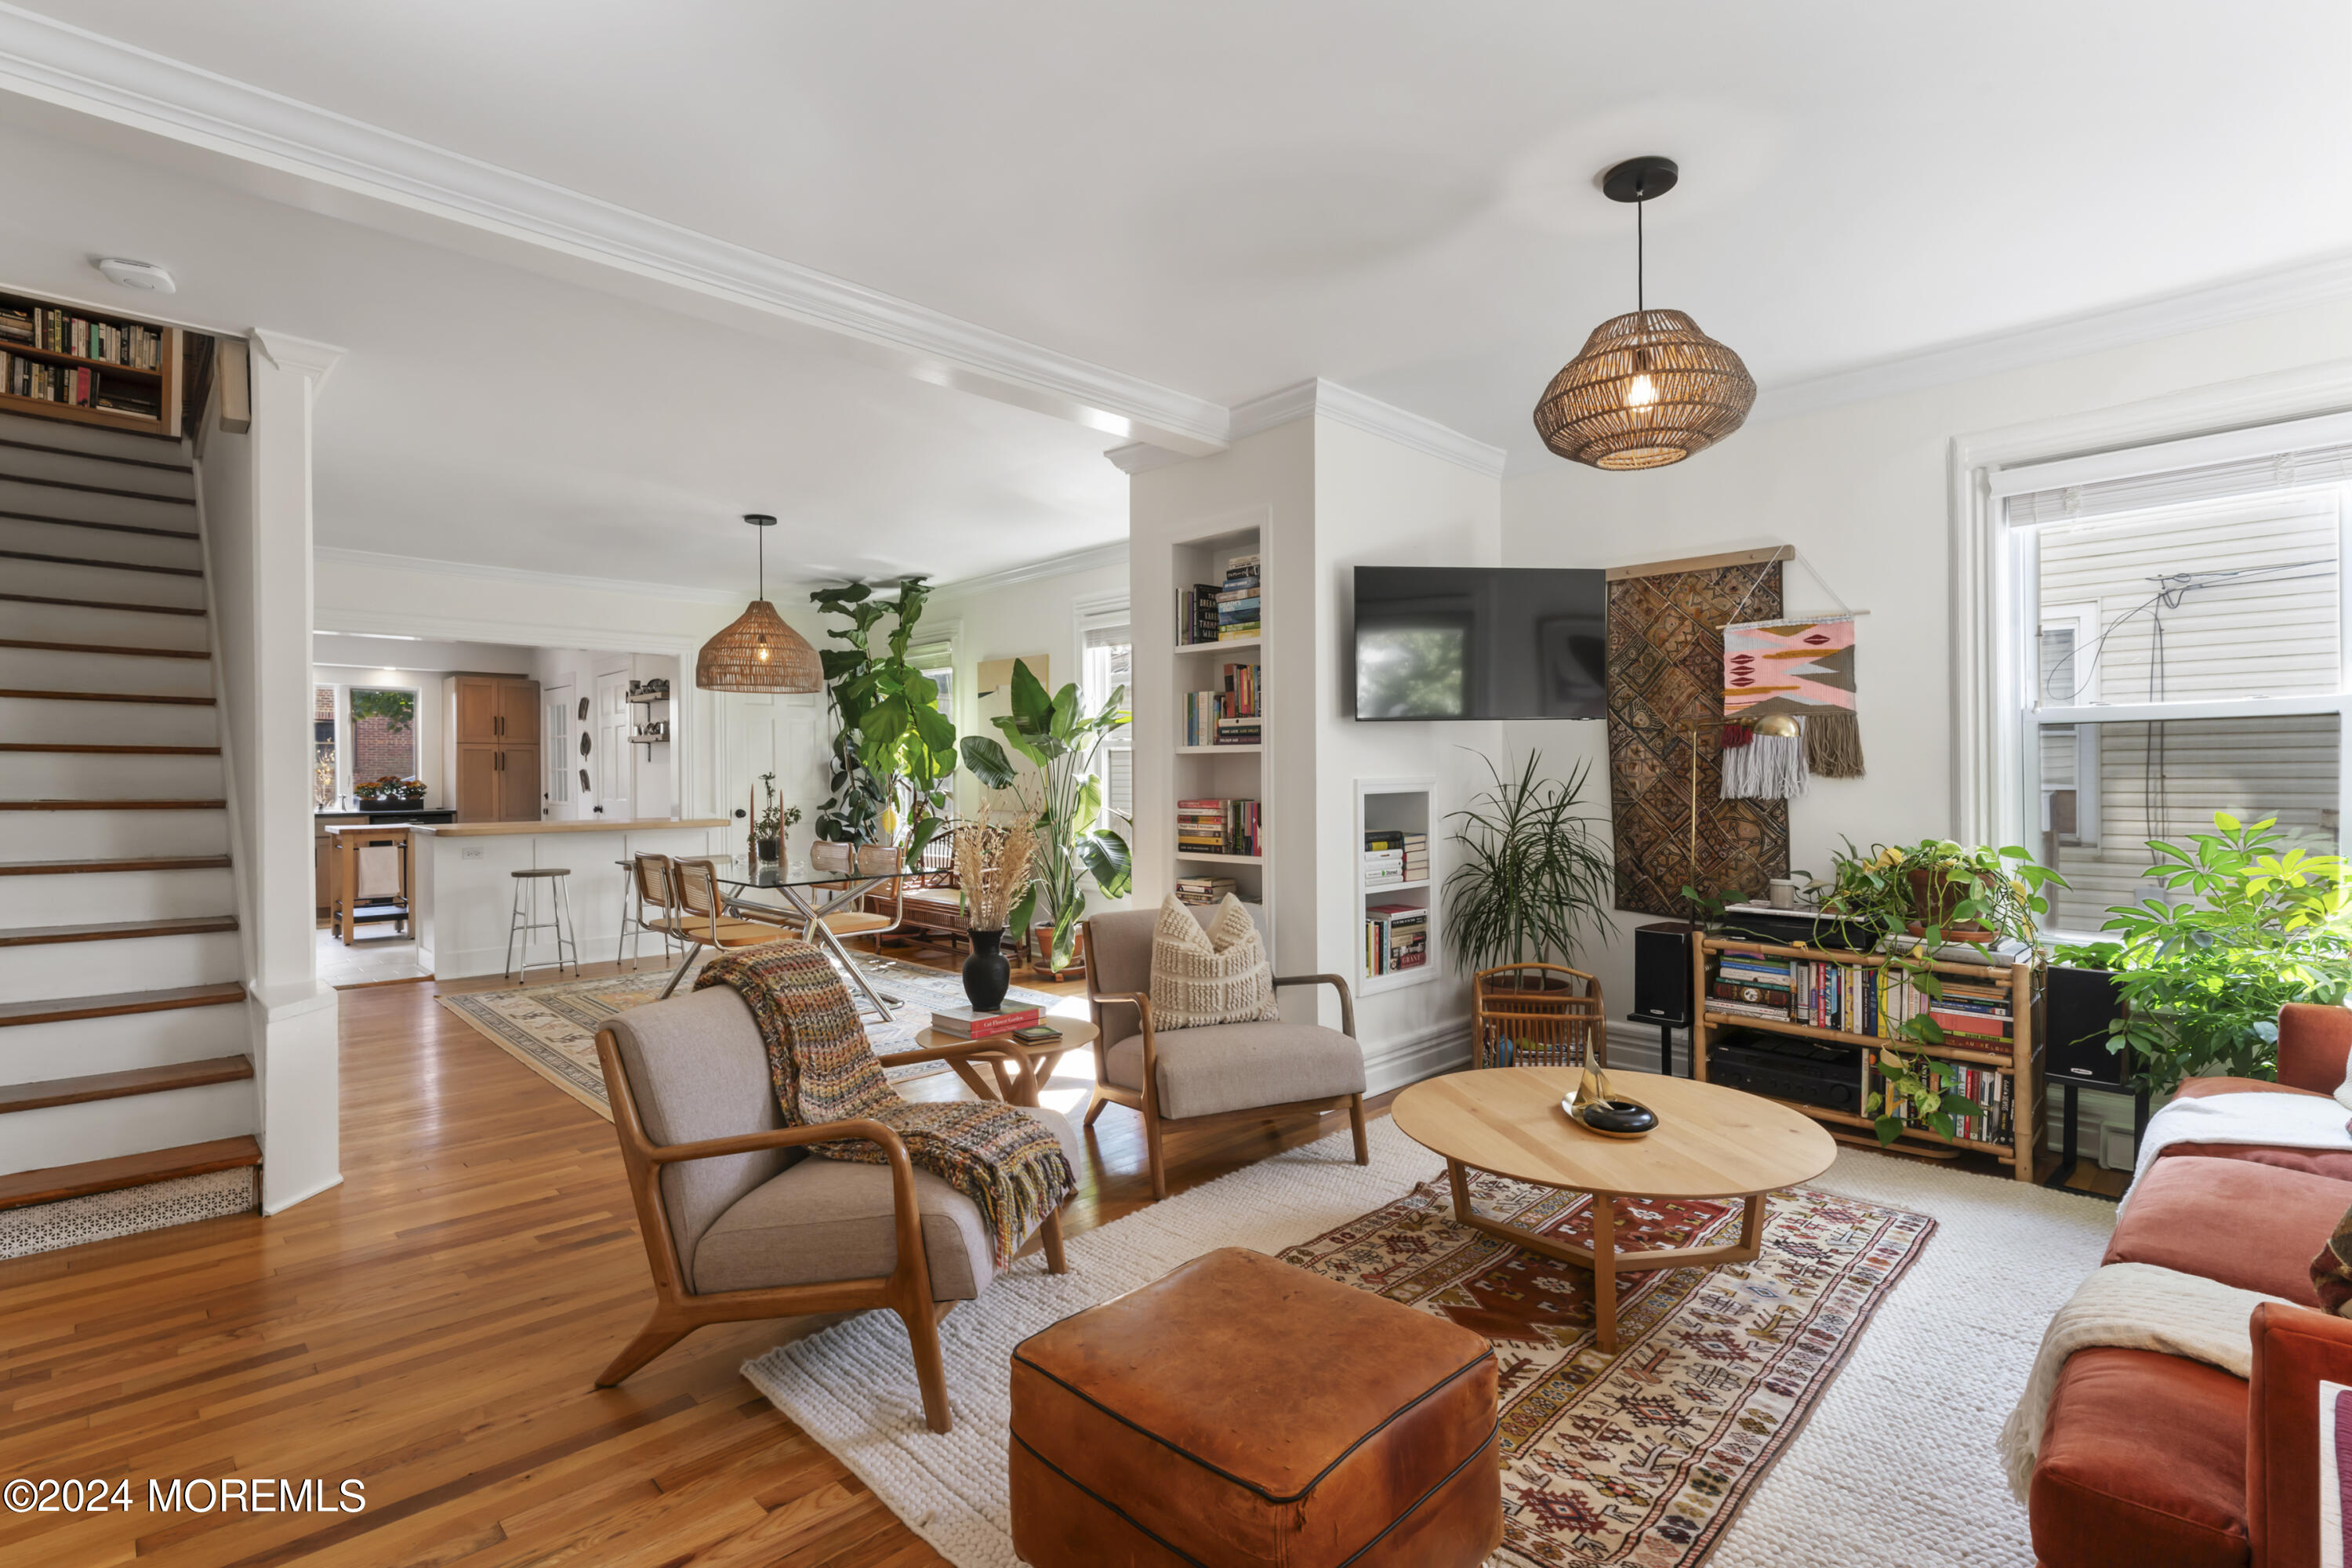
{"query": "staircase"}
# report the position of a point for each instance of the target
(127, 1098)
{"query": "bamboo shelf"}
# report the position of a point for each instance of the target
(2022, 1063)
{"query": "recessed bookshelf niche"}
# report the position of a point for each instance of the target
(89, 367)
(1225, 825)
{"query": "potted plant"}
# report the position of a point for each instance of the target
(2251, 921)
(894, 754)
(1531, 874)
(1061, 795)
(993, 871)
(768, 828)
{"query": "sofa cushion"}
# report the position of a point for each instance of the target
(2204, 1088)
(2143, 1461)
(1237, 1066)
(2252, 1226)
(1211, 973)
(826, 1220)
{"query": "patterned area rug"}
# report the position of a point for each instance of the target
(1643, 1457)
(551, 1029)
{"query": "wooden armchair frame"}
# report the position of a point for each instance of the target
(1146, 1100)
(905, 1289)
(1566, 1027)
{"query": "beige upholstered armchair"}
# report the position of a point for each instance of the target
(1219, 1070)
(740, 1223)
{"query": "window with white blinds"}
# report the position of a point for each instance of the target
(2182, 632)
(1108, 664)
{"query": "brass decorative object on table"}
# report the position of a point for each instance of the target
(1597, 1109)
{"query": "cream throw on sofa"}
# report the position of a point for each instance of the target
(2136, 1307)
(1215, 973)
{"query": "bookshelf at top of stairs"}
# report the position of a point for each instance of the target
(126, 1092)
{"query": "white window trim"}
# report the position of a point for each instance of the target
(1102, 612)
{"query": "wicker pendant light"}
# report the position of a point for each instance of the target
(758, 652)
(1650, 388)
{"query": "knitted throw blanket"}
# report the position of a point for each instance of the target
(1010, 1165)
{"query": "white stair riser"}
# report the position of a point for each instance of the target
(57, 969)
(102, 775)
(98, 543)
(122, 1042)
(39, 432)
(26, 719)
(48, 669)
(83, 898)
(111, 834)
(109, 1128)
(52, 581)
(76, 468)
(49, 501)
(75, 622)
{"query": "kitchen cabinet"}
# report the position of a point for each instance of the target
(492, 757)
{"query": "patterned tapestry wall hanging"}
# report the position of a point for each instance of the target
(1665, 712)
(1801, 671)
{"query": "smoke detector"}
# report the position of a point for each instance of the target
(142, 275)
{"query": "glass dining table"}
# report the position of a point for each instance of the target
(805, 893)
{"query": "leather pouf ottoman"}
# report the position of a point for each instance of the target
(1244, 1411)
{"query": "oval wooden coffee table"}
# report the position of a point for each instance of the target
(1710, 1142)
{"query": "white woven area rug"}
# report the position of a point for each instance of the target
(1896, 1466)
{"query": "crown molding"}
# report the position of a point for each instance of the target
(50, 60)
(1112, 554)
(1369, 415)
(2305, 284)
(1142, 457)
(301, 356)
(327, 554)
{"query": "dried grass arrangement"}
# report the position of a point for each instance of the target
(992, 866)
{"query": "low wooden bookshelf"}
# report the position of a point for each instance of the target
(158, 384)
(2022, 1063)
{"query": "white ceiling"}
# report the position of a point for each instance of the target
(1220, 196)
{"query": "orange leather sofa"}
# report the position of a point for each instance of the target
(2150, 1458)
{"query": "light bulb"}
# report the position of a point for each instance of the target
(763, 651)
(1640, 394)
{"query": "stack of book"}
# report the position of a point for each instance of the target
(76, 385)
(1749, 987)
(1205, 889)
(140, 348)
(1218, 827)
(1860, 999)
(1973, 1014)
(1227, 716)
(971, 1024)
(1196, 614)
(1237, 600)
(1396, 937)
(1993, 1089)
(1392, 856)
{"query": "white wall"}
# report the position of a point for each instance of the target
(1864, 492)
(652, 770)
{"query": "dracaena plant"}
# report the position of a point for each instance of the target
(1533, 873)
(1061, 792)
(894, 752)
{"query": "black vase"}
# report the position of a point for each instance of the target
(987, 974)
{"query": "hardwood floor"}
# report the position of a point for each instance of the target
(430, 1329)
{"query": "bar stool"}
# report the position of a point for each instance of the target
(525, 919)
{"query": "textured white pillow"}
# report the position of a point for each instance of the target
(1215, 973)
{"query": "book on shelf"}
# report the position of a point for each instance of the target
(1228, 714)
(1989, 1087)
(1205, 889)
(1874, 1001)
(1396, 937)
(63, 332)
(1390, 856)
(1220, 827)
(1196, 614)
(1237, 599)
(77, 386)
(971, 1024)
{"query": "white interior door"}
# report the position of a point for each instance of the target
(613, 767)
(556, 749)
(782, 735)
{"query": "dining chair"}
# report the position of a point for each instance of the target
(702, 919)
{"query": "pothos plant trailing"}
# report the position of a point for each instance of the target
(894, 752)
(1941, 893)
(1062, 794)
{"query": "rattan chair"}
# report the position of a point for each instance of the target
(701, 919)
(1537, 1015)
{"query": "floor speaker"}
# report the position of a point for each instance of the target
(2079, 1004)
(1662, 972)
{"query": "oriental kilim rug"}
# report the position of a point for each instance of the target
(1642, 1458)
(1666, 712)
(551, 1029)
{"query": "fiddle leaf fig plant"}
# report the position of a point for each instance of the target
(1061, 792)
(894, 752)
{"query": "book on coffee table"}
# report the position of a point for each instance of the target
(970, 1024)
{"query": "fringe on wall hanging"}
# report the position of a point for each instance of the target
(1770, 765)
(1801, 674)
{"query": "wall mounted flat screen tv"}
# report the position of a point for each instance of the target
(1473, 642)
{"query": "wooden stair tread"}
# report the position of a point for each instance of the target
(120, 1085)
(106, 647)
(94, 746)
(114, 806)
(115, 931)
(130, 863)
(102, 527)
(60, 1009)
(57, 1182)
(41, 695)
(96, 456)
(107, 565)
(103, 604)
(96, 490)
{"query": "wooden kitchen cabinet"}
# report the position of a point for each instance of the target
(493, 751)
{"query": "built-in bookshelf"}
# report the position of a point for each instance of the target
(1855, 999)
(1396, 884)
(90, 367)
(1220, 719)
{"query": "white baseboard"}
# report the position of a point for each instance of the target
(1422, 1054)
